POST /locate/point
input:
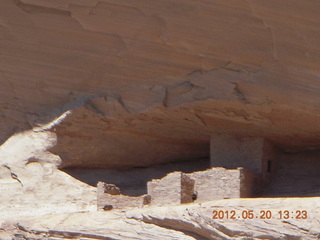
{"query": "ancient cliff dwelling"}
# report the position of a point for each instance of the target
(167, 119)
(179, 188)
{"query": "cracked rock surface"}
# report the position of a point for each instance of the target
(189, 221)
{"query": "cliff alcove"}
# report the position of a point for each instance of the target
(126, 91)
(133, 181)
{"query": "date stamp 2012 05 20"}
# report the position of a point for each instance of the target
(262, 214)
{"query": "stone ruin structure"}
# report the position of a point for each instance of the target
(178, 188)
(241, 167)
(109, 197)
(256, 154)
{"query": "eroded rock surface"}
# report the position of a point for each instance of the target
(190, 221)
(31, 184)
(159, 78)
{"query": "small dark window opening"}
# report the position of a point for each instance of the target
(269, 166)
(194, 196)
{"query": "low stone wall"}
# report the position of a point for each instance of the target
(110, 197)
(178, 188)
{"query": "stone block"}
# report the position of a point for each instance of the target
(173, 189)
(250, 183)
(109, 188)
(220, 183)
(255, 154)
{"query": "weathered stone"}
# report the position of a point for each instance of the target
(209, 68)
(186, 222)
(256, 154)
(31, 184)
(109, 197)
(178, 188)
(297, 176)
(187, 189)
(250, 183)
(220, 183)
(108, 188)
(175, 188)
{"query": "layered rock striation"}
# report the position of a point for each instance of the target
(158, 78)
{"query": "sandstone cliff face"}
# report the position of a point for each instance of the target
(165, 75)
(117, 84)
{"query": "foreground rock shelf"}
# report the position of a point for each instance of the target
(188, 221)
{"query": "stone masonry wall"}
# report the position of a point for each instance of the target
(269, 161)
(220, 183)
(178, 188)
(173, 189)
(256, 154)
(250, 183)
(109, 197)
(231, 152)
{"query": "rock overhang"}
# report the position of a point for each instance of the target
(169, 79)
